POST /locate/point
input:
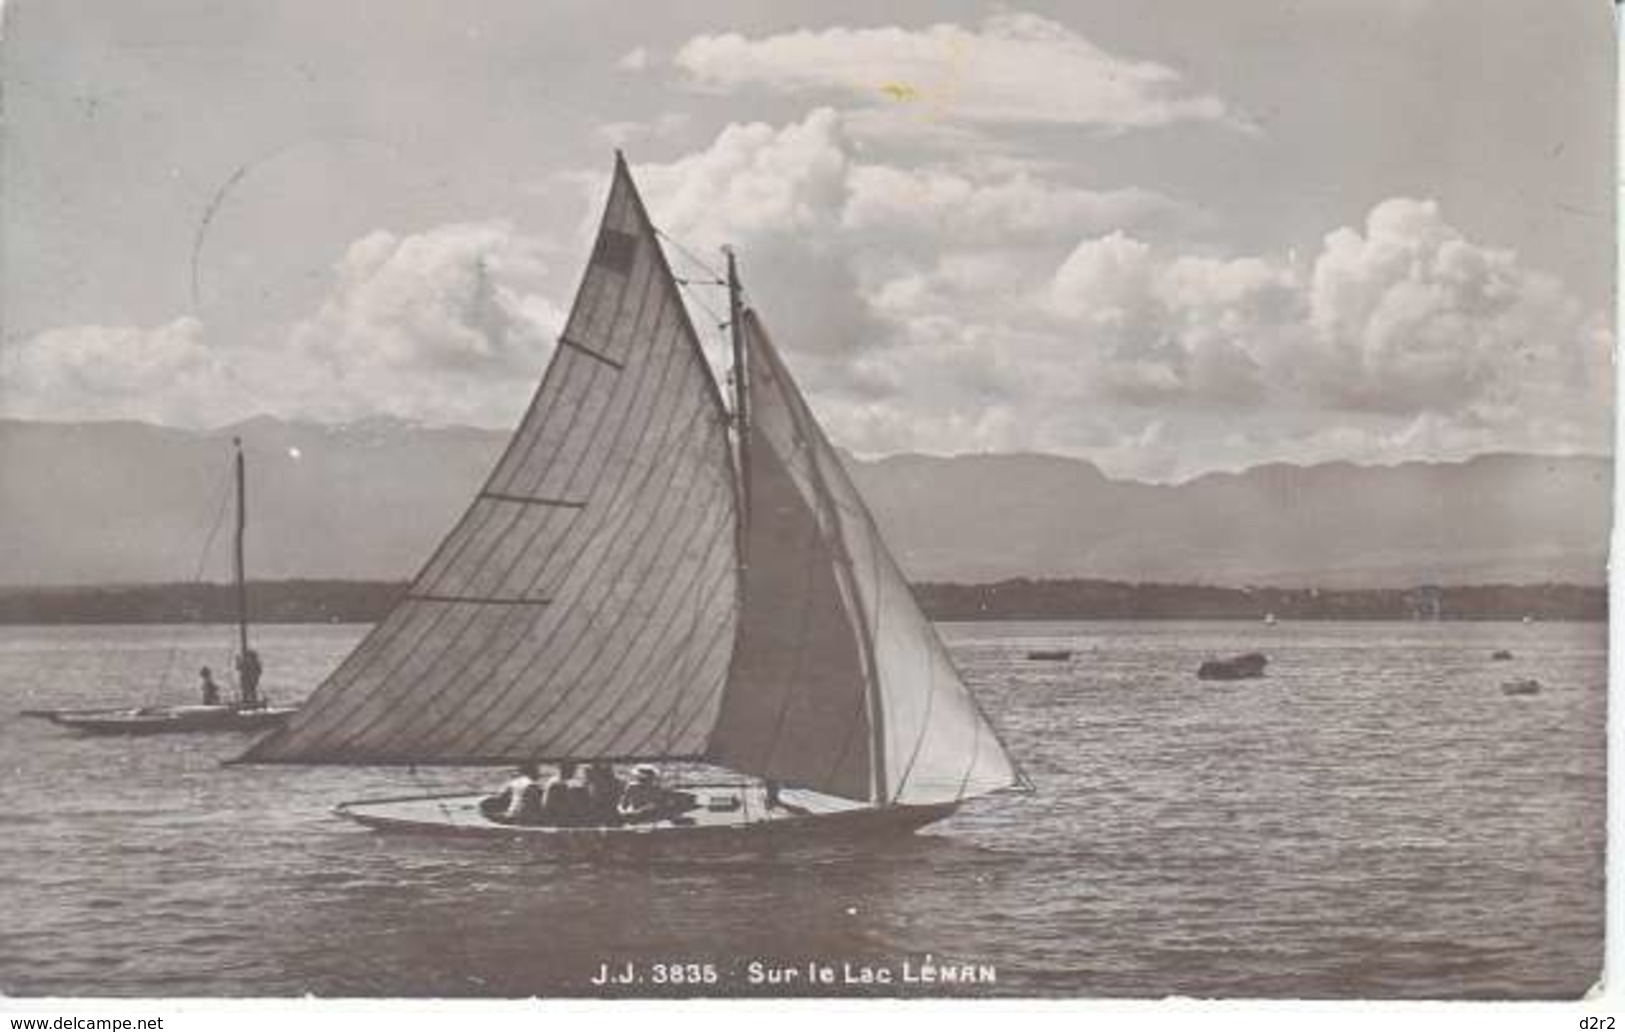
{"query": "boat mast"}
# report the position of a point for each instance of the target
(736, 326)
(237, 555)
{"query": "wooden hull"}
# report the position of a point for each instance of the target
(809, 818)
(156, 720)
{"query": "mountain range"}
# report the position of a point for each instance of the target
(126, 502)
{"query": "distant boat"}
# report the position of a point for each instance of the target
(1050, 655)
(1501, 654)
(1236, 668)
(648, 576)
(249, 712)
(1521, 686)
(1269, 618)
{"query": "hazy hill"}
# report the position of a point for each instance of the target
(129, 502)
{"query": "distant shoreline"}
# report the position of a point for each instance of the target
(337, 601)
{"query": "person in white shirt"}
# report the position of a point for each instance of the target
(519, 801)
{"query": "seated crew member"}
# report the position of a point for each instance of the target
(603, 794)
(519, 801)
(209, 687)
(249, 670)
(645, 799)
(563, 797)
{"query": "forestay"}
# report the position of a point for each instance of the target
(584, 606)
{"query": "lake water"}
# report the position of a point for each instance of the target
(1373, 818)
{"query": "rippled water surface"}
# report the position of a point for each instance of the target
(1373, 818)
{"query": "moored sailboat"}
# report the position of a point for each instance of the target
(650, 575)
(248, 712)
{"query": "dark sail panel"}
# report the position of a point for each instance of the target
(795, 707)
(584, 606)
(933, 744)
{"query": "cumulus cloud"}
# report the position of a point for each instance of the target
(950, 306)
(448, 325)
(977, 305)
(163, 374)
(1410, 316)
(1403, 317)
(838, 245)
(1012, 68)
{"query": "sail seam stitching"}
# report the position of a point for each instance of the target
(603, 299)
(557, 503)
(614, 500)
(482, 600)
(621, 501)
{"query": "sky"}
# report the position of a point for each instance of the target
(1167, 237)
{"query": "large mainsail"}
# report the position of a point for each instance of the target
(585, 604)
(870, 693)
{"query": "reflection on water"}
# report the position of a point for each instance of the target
(1374, 818)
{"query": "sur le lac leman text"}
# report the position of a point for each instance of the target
(810, 976)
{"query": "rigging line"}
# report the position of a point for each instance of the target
(693, 295)
(686, 253)
(202, 560)
(975, 748)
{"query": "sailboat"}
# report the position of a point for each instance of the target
(248, 712)
(652, 575)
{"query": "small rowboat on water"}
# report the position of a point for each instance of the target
(1050, 655)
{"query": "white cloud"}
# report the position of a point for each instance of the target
(1412, 317)
(857, 263)
(447, 325)
(634, 60)
(1399, 339)
(164, 374)
(972, 305)
(959, 305)
(1406, 318)
(942, 202)
(1013, 68)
